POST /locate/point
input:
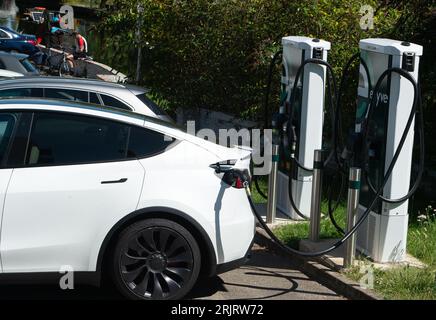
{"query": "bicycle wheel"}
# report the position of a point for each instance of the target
(64, 69)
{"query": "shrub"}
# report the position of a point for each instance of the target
(215, 54)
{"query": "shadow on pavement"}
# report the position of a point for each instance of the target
(265, 276)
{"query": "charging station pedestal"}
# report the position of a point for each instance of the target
(383, 235)
(309, 115)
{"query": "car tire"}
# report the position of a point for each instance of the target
(155, 259)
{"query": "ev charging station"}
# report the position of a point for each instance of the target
(309, 116)
(383, 235)
(381, 146)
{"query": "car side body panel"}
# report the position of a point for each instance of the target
(54, 216)
(223, 211)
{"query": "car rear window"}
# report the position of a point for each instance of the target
(145, 143)
(115, 103)
(151, 105)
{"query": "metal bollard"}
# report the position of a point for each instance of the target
(272, 186)
(315, 207)
(352, 207)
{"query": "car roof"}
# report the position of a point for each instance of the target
(90, 109)
(42, 102)
(9, 73)
(71, 82)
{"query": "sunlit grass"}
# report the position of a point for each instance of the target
(398, 283)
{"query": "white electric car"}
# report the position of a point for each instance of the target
(101, 191)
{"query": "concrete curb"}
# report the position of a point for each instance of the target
(313, 268)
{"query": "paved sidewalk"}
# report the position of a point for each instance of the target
(267, 276)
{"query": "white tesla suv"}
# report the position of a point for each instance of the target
(103, 191)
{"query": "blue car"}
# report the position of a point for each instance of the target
(11, 40)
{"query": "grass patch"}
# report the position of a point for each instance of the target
(291, 234)
(400, 283)
(422, 237)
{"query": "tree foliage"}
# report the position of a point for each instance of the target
(215, 53)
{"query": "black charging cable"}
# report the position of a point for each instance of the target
(378, 193)
(273, 62)
(420, 126)
(290, 136)
(339, 145)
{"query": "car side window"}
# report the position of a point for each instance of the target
(145, 143)
(115, 103)
(62, 138)
(21, 92)
(3, 35)
(7, 122)
(66, 94)
(21, 135)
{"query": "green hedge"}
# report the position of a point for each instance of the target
(215, 54)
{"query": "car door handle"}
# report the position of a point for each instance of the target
(114, 181)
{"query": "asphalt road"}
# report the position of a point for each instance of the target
(266, 276)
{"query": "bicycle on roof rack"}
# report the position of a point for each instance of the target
(62, 61)
(59, 64)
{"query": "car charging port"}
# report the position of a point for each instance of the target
(234, 177)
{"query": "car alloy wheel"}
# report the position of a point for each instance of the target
(157, 261)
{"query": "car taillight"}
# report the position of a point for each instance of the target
(31, 42)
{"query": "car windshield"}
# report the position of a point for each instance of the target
(28, 65)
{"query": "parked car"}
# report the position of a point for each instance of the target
(13, 41)
(9, 74)
(17, 62)
(122, 96)
(95, 190)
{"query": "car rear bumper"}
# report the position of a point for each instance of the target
(231, 265)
